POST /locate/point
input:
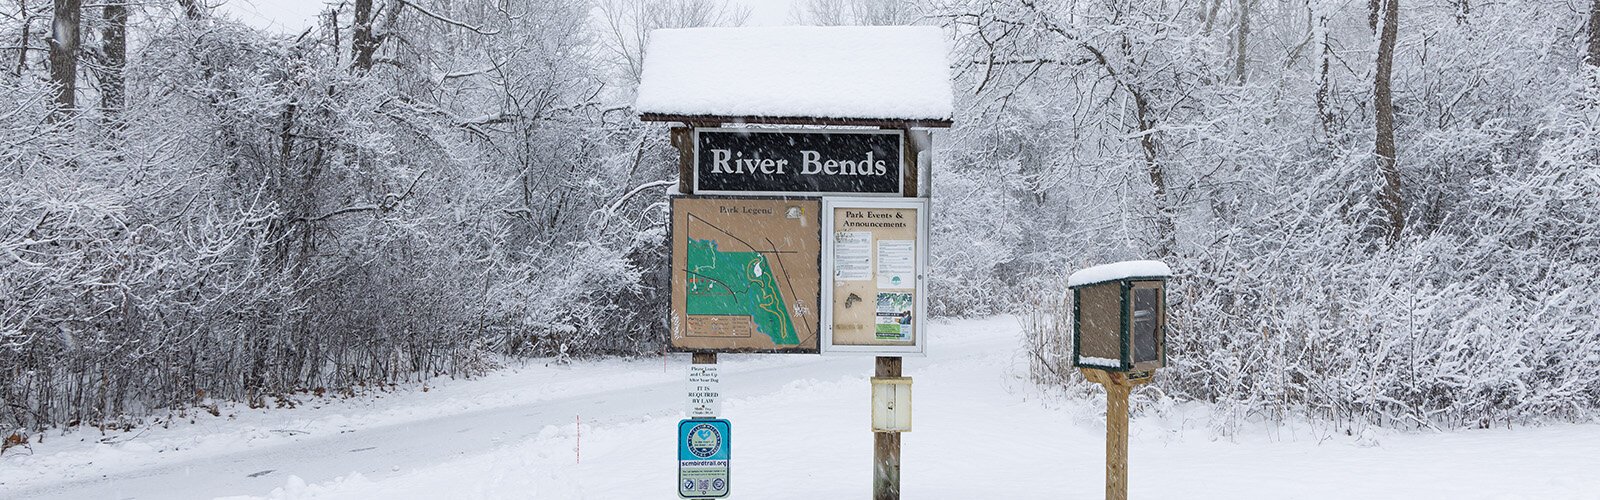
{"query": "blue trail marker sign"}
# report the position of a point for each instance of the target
(703, 458)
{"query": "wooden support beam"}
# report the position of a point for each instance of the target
(683, 139)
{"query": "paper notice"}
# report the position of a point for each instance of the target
(894, 316)
(896, 264)
(705, 391)
(852, 255)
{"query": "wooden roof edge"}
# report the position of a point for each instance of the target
(703, 120)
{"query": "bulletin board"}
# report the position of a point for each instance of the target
(873, 266)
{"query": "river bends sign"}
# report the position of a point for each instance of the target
(797, 162)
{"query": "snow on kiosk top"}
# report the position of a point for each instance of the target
(798, 74)
(1119, 270)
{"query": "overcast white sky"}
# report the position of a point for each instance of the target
(296, 15)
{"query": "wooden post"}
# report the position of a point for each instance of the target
(1118, 385)
(1116, 441)
(886, 445)
(683, 139)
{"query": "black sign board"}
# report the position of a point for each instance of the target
(798, 162)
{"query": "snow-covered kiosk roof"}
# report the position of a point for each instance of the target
(1118, 271)
(836, 75)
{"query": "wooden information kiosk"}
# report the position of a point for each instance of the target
(799, 223)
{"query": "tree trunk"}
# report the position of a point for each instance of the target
(1211, 15)
(64, 56)
(27, 29)
(1325, 54)
(1166, 231)
(1594, 33)
(1373, 8)
(1242, 36)
(362, 43)
(1383, 103)
(114, 48)
(192, 9)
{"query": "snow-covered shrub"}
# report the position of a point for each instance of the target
(270, 214)
(1242, 154)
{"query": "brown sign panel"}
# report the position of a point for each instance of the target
(745, 274)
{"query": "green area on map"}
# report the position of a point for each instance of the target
(737, 284)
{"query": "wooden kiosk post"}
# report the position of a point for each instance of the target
(1119, 322)
(886, 445)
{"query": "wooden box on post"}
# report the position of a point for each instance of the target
(1119, 316)
(1119, 321)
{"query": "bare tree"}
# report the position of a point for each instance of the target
(1241, 38)
(64, 55)
(1324, 84)
(1594, 33)
(628, 24)
(1209, 15)
(362, 41)
(113, 57)
(1383, 103)
(25, 32)
(194, 10)
(853, 13)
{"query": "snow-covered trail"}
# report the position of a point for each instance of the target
(406, 445)
(800, 431)
(370, 451)
(195, 468)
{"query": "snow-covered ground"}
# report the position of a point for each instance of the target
(800, 431)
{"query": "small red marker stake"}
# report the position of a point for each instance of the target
(578, 451)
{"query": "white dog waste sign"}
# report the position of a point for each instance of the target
(705, 398)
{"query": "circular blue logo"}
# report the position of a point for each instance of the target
(704, 440)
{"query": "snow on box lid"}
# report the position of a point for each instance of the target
(860, 72)
(1119, 270)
